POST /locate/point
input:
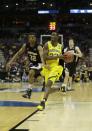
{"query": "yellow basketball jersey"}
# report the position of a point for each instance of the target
(54, 51)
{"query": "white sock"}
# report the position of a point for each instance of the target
(63, 85)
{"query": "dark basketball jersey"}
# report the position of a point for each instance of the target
(33, 54)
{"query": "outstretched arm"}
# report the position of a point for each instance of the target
(16, 56)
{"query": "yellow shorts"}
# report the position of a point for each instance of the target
(53, 74)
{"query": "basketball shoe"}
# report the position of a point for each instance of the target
(63, 88)
(28, 93)
(41, 107)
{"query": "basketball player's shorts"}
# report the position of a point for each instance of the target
(36, 68)
(37, 73)
(52, 74)
(71, 68)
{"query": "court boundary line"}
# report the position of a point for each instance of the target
(13, 128)
(21, 130)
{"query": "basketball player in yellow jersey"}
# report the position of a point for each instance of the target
(52, 52)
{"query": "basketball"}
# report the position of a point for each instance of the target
(68, 57)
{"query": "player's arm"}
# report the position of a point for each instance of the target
(47, 57)
(40, 49)
(78, 52)
(26, 63)
(16, 56)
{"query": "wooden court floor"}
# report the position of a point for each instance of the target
(11, 111)
(67, 112)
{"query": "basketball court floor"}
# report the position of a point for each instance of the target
(70, 111)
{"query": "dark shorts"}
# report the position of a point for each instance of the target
(71, 68)
(37, 72)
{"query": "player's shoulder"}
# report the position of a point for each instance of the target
(76, 47)
(48, 42)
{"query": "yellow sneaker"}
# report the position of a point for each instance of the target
(41, 107)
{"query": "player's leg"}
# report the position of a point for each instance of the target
(51, 77)
(31, 81)
(72, 71)
(66, 79)
(42, 72)
(69, 87)
(43, 87)
(39, 78)
(31, 76)
(46, 94)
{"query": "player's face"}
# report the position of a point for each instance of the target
(31, 39)
(71, 43)
(54, 37)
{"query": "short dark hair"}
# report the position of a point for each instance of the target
(55, 32)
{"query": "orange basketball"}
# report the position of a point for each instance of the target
(68, 57)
